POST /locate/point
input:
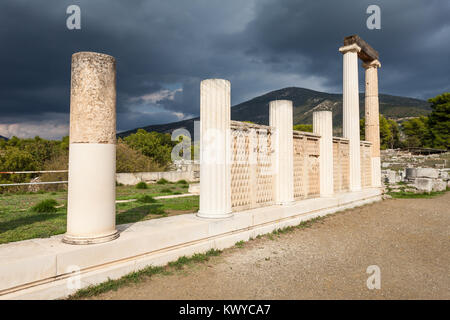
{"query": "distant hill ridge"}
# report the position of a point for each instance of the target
(304, 101)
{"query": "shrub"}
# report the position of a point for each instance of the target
(157, 210)
(166, 190)
(146, 199)
(47, 205)
(141, 185)
(182, 181)
(131, 160)
(303, 127)
(162, 181)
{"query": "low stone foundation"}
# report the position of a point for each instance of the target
(416, 179)
(152, 177)
(153, 242)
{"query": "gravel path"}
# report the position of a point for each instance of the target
(407, 238)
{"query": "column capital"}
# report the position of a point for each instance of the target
(350, 48)
(372, 64)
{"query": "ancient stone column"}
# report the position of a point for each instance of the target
(323, 125)
(351, 112)
(372, 115)
(215, 157)
(281, 118)
(91, 210)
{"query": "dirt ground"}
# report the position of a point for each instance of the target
(408, 239)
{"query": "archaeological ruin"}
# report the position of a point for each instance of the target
(253, 179)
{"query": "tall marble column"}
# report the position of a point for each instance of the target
(281, 118)
(372, 114)
(323, 125)
(351, 112)
(215, 149)
(91, 209)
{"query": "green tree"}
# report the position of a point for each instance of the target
(157, 146)
(395, 141)
(362, 129)
(385, 133)
(439, 121)
(15, 159)
(416, 131)
(303, 127)
(389, 132)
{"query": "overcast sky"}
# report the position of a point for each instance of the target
(164, 48)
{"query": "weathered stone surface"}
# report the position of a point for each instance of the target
(411, 173)
(93, 98)
(427, 173)
(439, 185)
(390, 176)
(372, 123)
(367, 53)
(424, 184)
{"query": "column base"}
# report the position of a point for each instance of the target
(207, 215)
(69, 239)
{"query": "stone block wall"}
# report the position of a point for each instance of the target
(306, 165)
(366, 164)
(252, 181)
(341, 164)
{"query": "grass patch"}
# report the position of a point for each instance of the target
(146, 199)
(45, 206)
(18, 222)
(143, 274)
(141, 185)
(413, 195)
(239, 244)
(109, 285)
(166, 190)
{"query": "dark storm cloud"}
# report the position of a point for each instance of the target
(164, 48)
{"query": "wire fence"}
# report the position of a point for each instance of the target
(18, 172)
(32, 183)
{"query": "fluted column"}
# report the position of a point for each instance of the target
(281, 119)
(323, 125)
(351, 112)
(215, 158)
(372, 114)
(91, 209)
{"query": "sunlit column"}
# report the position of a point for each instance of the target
(372, 115)
(215, 164)
(281, 119)
(92, 152)
(351, 111)
(323, 125)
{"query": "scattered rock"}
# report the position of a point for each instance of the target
(427, 173)
(34, 188)
(424, 184)
(439, 185)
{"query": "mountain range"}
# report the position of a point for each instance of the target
(304, 100)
